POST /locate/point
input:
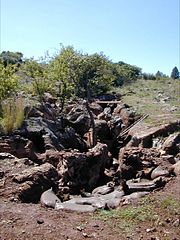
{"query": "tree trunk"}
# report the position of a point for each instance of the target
(94, 138)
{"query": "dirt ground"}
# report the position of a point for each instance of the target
(32, 221)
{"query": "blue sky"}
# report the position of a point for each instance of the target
(144, 33)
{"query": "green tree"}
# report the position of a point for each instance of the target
(80, 74)
(37, 79)
(148, 76)
(64, 72)
(175, 73)
(96, 76)
(126, 73)
(8, 57)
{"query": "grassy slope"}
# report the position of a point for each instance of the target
(158, 98)
(148, 213)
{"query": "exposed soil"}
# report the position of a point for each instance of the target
(32, 221)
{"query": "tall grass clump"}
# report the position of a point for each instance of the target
(12, 114)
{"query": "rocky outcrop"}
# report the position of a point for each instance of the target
(79, 119)
(54, 159)
(145, 135)
(33, 181)
(83, 170)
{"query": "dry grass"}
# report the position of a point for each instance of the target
(12, 114)
(158, 98)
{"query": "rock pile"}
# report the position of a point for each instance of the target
(51, 158)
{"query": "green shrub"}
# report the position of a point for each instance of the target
(8, 80)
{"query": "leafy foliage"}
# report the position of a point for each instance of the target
(96, 75)
(63, 71)
(8, 80)
(37, 77)
(75, 73)
(126, 73)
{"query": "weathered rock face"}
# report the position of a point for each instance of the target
(124, 112)
(18, 146)
(79, 119)
(24, 180)
(102, 130)
(145, 136)
(141, 162)
(176, 168)
(35, 180)
(83, 170)
(42, 132)
(96, 108)
(71, 140)
(172, 144)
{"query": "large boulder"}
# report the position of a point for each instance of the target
(24, 180)
(135, 160)
(42, 132)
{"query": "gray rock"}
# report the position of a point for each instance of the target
(113, 203)
(170, 146)
(74, 207)
(102, 190)
(79, 119)
(159, 171)
(49, 199)
(37, 174)
(135, 195)
(136, 185)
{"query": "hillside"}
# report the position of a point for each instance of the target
(160, 99)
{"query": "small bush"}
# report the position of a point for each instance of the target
(12, 114)
(8, 81)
